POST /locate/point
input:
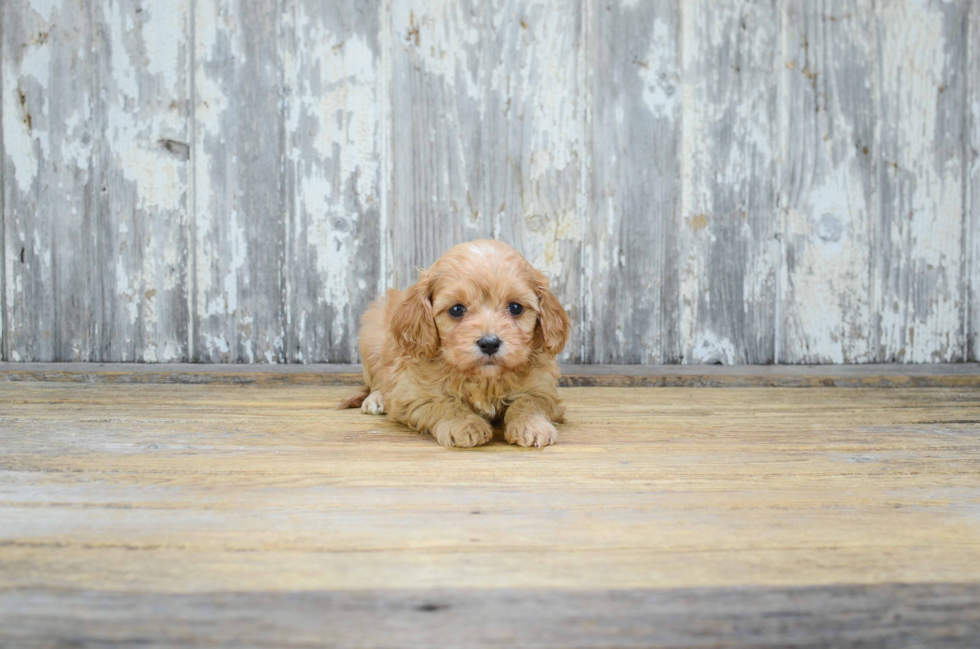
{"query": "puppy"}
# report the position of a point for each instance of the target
(472, 342)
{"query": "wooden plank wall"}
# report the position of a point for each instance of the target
(790, 181)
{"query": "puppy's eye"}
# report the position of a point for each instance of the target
(457, 311)
(515, 309)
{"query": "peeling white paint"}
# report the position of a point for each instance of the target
(438, 31)
(238, 247)
(76, 149)
(335, 106)
(133, 136)
(711, 349)
(24, 141)
(534, 77)
(927, 207)
(159, 25)
(332, 258)
(659, 73)
(217, 266)
(218, 342)
(727, 180)
(156, 175)
(45, 9)
(332, 80)
(831, 280)
(543, 89)
(211, 100)
(546, 239)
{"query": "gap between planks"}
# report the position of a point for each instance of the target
(960, 375)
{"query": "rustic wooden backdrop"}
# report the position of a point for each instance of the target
(792, 181)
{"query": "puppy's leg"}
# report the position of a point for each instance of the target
(448, 420)
(374, 404)
(354, 400)
(527, 421)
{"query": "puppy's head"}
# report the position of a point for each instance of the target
(484, 309)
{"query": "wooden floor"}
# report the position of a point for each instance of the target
(256, 515)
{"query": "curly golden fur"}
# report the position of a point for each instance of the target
(424, 366)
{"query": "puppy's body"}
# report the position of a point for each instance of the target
(451, 374)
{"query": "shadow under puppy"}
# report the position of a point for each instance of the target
(473, 341)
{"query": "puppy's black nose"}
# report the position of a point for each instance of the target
(489, 345)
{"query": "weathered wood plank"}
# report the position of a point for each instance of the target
(53, 278)
(554, 126)
(244, 516)
(96, 130)
(142, 115)
(3, 225)
(972, 165)
(633, 145)
(829, 182)
(238, 186)
(815, 617)
(724, 238)
(437, 137)
(192, 489)
(962, 375)
(334, 108)
(533, 114)
(919, 252)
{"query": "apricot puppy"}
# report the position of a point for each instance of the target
(472, 342)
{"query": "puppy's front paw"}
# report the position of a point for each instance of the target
(463, 433)
(374, 404)
(534, 430)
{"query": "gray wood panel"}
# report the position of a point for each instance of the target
(919, 261)
(724, 238)
(142, 115)
(239, 225)
(533, 118)
(53, 292)
(53, 289)
(703, 182)
(633, 147)
(437, 141)
(95, 150)
(840, 616)
(3, 225)
(333, 110)
(829, 188)
(972, 166)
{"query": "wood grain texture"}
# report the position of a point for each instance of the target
(799, 518)
(724, 238)
(143, 113)
(533, 111)
(919, 245)
(954, 375)
(239, 221)
(333, 111)
(3, 224)
(232, 181)
(829, 185)
(96, 180)
(843, 617)
(53, 281)
(972, 166)
(438, 147)
(633, 148)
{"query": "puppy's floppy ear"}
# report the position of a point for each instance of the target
(413, 324)
(553, 321)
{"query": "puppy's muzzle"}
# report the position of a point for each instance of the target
(488, 345)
